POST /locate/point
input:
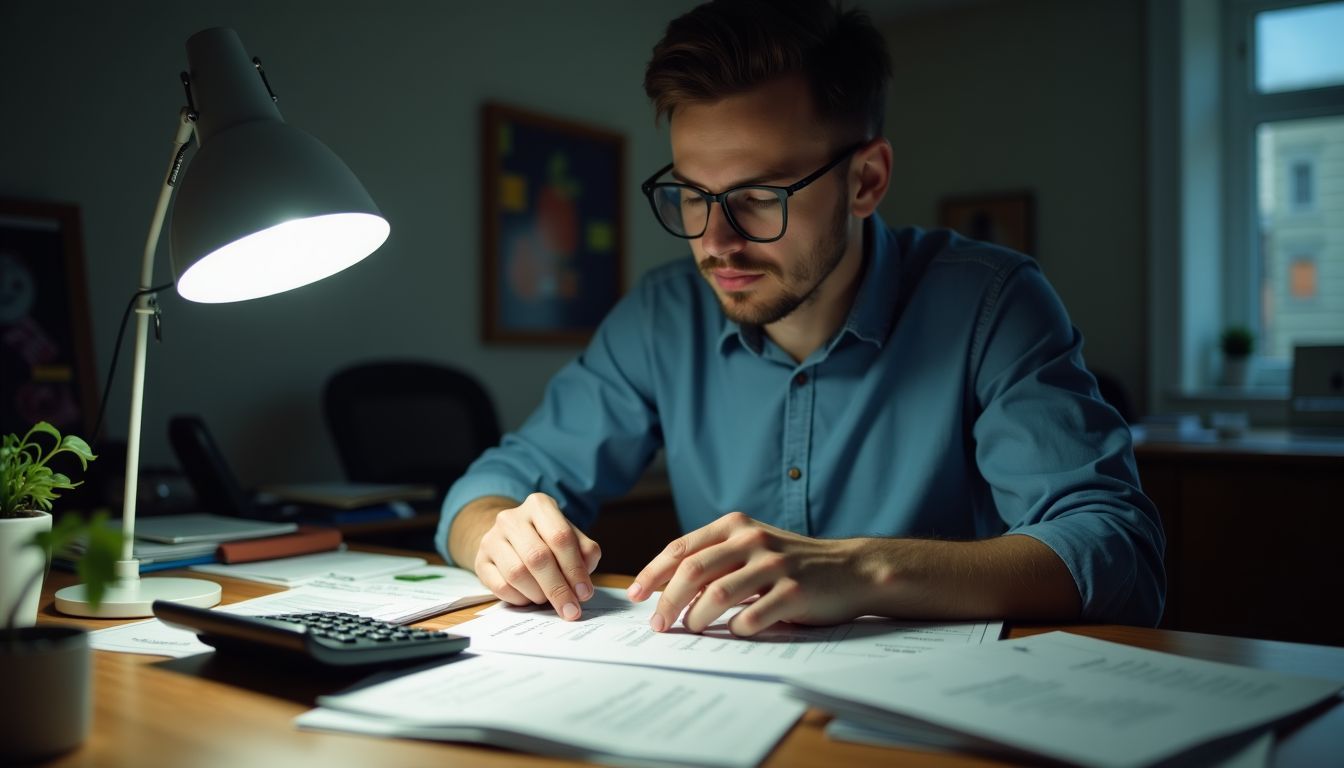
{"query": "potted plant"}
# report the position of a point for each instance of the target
(1236, 344)
(45, 668)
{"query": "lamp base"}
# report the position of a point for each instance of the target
(136, 598)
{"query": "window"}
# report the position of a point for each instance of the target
(1284, 149)
(1302, 278)
(1246, 191)
(1298, 47)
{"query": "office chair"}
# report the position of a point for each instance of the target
(408, 422)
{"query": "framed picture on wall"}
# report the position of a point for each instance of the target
(1006, 219)
(46, 352)
(554, 226)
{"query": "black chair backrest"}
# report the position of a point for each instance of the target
(216, 487)
(408, 422)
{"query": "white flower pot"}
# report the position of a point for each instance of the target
(18, 563)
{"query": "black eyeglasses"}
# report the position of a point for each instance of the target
(758, 212)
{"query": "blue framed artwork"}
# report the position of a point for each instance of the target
(554, 227)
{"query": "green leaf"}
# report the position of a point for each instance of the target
(43, 426)
(77, 446)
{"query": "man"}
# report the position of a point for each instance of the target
(857, 420)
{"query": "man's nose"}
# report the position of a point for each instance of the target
(720, 239)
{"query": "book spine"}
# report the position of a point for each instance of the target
(307, 540)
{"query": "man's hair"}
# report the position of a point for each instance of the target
(727, 47)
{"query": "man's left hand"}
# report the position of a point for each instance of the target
(714, 568)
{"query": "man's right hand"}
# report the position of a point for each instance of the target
(532, 554)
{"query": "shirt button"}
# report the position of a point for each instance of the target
(795, 473)
(800, 379)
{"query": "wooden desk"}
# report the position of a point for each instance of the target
(200, 711)
(1254, 530)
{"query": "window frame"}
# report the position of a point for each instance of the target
(1246, 109)
(1199, 253)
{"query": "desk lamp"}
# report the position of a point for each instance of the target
(263, 208)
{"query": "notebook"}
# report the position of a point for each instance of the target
(201, 527)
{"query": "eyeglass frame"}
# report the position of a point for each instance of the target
(784, 193)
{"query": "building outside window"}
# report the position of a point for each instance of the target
(1285, 211)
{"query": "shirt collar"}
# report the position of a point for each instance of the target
(874, 309)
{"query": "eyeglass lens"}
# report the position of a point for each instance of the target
(758, 212)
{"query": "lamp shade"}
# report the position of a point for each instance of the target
(263, 207)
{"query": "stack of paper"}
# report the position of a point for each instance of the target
(537, 683)
(1062, 696)
(176, 541)
(578, 710)
(615, 629)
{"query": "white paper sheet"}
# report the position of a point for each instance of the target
(627, 715)
(1253, 751)
(1066, 696)
(614, 629)
(382, 597)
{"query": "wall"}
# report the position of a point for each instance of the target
(89, 95)
(1045, 95)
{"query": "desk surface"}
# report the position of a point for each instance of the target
(151, 711)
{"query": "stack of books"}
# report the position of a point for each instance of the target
(178, 541)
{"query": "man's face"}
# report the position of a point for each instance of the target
(767, 136)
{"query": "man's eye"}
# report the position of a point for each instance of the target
(763, 201)
(689, 199)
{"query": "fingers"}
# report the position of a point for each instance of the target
(783, 602)
(497, 584)
(659, 570)
(540, 555)
(745, 555)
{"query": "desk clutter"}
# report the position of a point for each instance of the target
(180, 541)
(608, 689)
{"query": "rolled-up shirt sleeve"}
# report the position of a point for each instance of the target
(1059, 461)
(590, 439)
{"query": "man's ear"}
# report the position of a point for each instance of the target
(870, 171)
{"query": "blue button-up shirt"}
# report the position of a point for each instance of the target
(952, 404)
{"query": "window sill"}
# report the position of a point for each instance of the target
(1265, 406)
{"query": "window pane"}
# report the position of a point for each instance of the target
(1300, 190)
(1299, 48)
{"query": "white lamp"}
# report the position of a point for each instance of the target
(264, 208)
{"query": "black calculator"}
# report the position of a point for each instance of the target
(327, 637)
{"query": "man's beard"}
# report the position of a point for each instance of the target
(807, 276)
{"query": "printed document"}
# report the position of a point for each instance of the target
(405, 597)
(578, 710)
(615, 629)
(1066, 696)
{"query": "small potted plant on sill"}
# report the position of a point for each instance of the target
(1236, 343)
(45, 668)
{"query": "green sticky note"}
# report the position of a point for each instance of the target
(417, 576)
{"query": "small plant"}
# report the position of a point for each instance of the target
(1237, 342)
(28, 484)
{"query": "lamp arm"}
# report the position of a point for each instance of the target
(128, 568)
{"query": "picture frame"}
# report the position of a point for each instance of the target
(46, 348)
(553, 229)
(1002, 218)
